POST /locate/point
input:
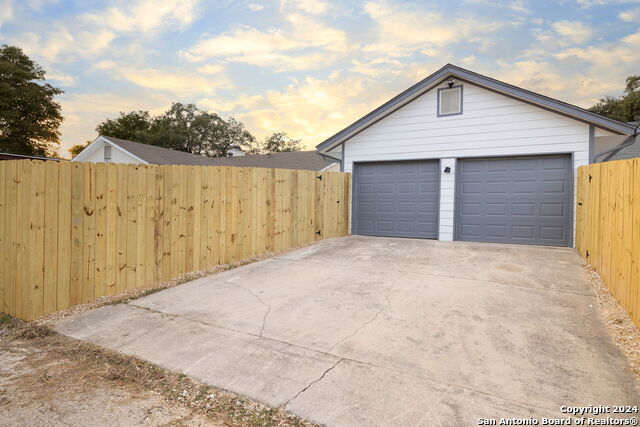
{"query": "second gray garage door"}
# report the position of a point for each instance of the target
(396, 198)
(525, 200)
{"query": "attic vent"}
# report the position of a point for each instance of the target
(107, 153)
(449, 101)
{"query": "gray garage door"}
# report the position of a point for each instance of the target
(396, 199)
(526, 200)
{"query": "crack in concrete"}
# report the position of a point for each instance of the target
(312, 383)
(260, 300)
(365, 324)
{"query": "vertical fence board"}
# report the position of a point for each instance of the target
(122, 222)
(63, 258)
(215, 243)
(158, 223)
(36, 240)
(111, 225)
(132, 214)
(51, 223)
(9, 254)
(635, 246)
(89, 238)
(3, 235)
(77, 242)
(151, 195)
(100, 287)
(23, 262)
(141, 204)
(167, 220)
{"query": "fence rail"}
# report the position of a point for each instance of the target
(72, 232)
(608, 227)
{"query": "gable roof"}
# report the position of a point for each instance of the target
(451, 70)
(307, 160)
(157, 155)
(151, 154)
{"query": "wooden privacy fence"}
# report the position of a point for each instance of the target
(608, 227)
(72, 232)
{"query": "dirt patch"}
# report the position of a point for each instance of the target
(48, 379)
(623, 331)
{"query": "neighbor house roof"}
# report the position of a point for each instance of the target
(157, 155)
(309, 160)
(629, 152)
(151, 154)
(464, 75)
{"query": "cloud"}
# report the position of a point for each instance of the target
(63, 78)
(86, 35)
(254, 7)
(211, 69)
(303, 44)
(519, 6)
(236, 103)
(83, 112)
(405, 30)
(183, 82)
(574, 31)
(6, 11)
(315, 7)
(632, 15)
(314, 109)
(591, 3)
(147, 16)
(59, 44)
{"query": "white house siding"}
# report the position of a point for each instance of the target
(491, 125)
(117, 156)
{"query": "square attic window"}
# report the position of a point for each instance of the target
(450, 101)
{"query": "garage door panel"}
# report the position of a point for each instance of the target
(515, 200)
(400, 198)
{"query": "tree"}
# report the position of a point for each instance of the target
(182, 127)
(29, 117)
(625, 108)
(132, 126)
(76, 149)
(280, 141)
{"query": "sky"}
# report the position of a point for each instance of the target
(310, 67)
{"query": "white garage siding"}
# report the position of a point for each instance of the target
(491, 125)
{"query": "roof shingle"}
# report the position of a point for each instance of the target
(307, 160)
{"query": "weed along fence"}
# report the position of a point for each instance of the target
(608, 227)
(72, 232)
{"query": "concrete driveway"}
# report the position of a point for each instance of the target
(384, 331)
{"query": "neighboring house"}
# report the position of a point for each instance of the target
(235, 152)
(114, 150)
(461, 156)
(10, 156)
(309, 160)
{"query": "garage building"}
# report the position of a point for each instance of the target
(461, 156)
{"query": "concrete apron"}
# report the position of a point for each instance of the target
(383, 331)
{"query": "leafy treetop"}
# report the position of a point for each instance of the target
(29, 116)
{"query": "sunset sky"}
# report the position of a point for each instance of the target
(311, 67)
